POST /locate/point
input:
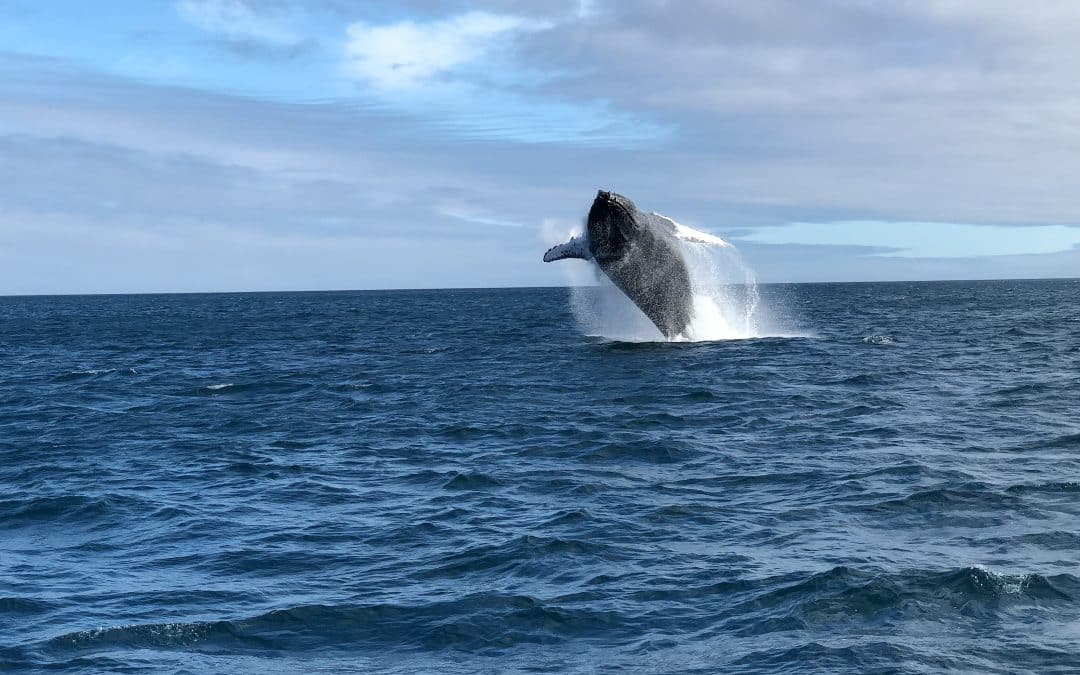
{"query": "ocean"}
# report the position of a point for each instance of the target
(470, 481)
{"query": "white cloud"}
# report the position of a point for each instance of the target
(406, 54)
(234, 20)
(586, 9)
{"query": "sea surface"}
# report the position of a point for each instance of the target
(465, 481)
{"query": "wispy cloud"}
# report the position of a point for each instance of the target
(408, 54)
(925, 240)
(236, 20)
(461, 75)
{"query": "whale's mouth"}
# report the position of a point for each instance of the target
(611, 222)
(611, 200)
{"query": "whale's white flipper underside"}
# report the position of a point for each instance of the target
(577, 247)
(690, 234)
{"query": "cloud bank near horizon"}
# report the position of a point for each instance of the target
(271, 144)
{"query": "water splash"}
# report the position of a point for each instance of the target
(726, 299)
(726, 303)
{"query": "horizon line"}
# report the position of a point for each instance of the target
(418, 289)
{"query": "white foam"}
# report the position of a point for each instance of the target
(217, 387)
(1007, 584)
(726, 300)
(878, 340)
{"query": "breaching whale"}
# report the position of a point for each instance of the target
(640, 253)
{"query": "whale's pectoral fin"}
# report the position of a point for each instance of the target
(577, 247)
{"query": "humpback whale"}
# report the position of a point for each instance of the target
(640, 253)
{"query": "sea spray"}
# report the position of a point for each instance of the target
(602, 310)
(726, 302)
(726, 299)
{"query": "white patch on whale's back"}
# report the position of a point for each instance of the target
(690, 234)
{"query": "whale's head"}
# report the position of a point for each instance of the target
(612, 224)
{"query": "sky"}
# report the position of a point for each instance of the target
(213, 145)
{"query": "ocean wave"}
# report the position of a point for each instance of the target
(970, 502)
(1045, 487)
(527, 554)
(845, 595)
(472, 623)
(285, 386)
(14, 605)
(866, 656)
(644, 451)
(863, 380)
(473, 480)
(63, 508)
(740, 608)
(92, 373)
(1063, 441)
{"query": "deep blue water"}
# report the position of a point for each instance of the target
(462, 481)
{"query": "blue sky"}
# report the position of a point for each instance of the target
(276, 144)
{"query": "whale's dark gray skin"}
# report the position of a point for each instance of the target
(640, 253)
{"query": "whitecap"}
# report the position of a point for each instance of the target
(878, 340)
